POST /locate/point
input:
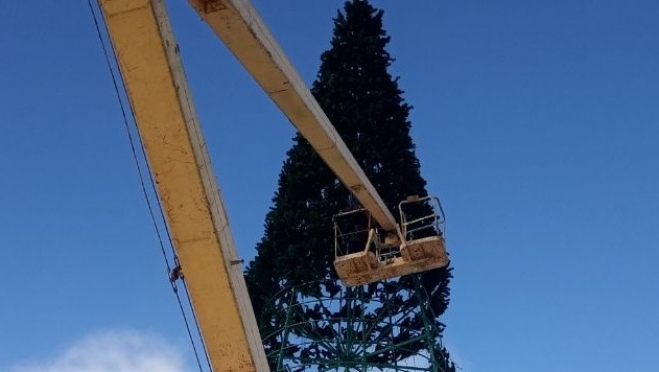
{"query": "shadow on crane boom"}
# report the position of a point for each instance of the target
(365, 254)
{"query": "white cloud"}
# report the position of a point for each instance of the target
(112, 351)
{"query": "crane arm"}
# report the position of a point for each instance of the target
(151, 67)
(239, 26)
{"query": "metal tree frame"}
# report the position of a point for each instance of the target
(384, 326)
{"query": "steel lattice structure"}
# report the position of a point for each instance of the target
(325, 326)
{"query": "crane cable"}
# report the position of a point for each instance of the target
(172, 273)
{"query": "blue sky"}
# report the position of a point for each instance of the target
(536, 122)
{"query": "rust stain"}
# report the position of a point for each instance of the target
(211, 6)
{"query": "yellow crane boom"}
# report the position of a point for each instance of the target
(153, 74)
(156, 85)
(241, 29)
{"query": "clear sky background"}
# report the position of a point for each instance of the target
(536, 122)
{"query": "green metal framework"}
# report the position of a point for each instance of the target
(383, 326)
